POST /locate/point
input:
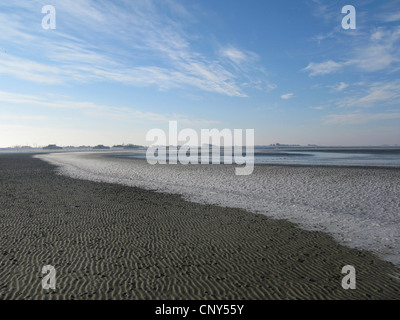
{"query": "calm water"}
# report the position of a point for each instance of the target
(330, 156)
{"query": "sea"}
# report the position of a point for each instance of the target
(308, 156)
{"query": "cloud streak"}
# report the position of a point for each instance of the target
(340, 87)
(135, 45)
(287, 96)
(92, 109)
(377, 94)
(377, 52)
(358, 118)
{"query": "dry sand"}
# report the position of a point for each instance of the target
(108, 241)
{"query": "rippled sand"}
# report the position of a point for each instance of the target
(109, 241)
(359, 206)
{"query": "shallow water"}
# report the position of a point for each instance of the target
(328, 156)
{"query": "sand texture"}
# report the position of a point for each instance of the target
(109, 241)
(358, 206)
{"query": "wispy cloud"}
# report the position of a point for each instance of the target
(29, 70)
(381, 52)
(287, 96)
(340, 86)
(321, 37)
(327, 11)
(359, 117)
(22, 117)
(237, 56)
(234, 54)
(392, 17)
(92, 109)
(376, 52)
(378, 94)
(316, 69)
(134, 44)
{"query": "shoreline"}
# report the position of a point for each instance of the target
(274, 164)
(126, 155)
(114, 154)
(357, 206)
(109, 241)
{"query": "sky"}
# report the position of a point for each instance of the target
(111, 70)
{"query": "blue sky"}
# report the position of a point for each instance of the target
(113, 70)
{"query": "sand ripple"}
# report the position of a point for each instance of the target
(109, 241)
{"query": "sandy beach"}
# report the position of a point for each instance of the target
(108, 241)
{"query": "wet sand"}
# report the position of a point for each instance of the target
(109, 241)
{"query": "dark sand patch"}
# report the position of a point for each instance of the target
(108, 241)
